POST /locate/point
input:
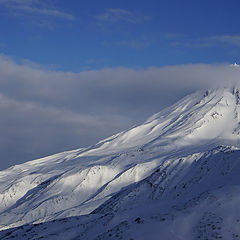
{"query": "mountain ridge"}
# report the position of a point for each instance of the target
(152, 158)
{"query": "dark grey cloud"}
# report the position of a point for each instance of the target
(43, 111)
(29, 130)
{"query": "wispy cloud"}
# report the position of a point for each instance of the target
(114, 15)
(19, 2)
(137, 43)
(48, 12)
(212, 41)
(228, 39)
(35, 7)
(181, 40)
(134, 44)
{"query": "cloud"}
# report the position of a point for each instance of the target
(48, 12)
(35, 7)
(19, 2)
(45, 111)
(114, 15)
(228, 39)
(30, 130)
(137, 43)
(213, 41)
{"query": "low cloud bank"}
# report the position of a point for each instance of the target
(43, 112)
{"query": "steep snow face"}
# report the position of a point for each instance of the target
(204, 115)
(193, 197)
(77, 182)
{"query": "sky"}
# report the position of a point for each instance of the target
(75, 72)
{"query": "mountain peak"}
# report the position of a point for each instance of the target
(212, 114)
(168, 162)
(235, 65)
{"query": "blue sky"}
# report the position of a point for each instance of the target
(75, 72)
(81, 35)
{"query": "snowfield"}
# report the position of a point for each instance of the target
(176, 176)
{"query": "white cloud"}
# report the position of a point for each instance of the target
(212, 41)
(113, 15)
(229, 39)
(48, 12)
(44, 111)
(20, 2)
(35, 7)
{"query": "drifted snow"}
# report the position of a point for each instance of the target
(168, 168)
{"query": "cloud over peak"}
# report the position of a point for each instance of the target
(44, 112)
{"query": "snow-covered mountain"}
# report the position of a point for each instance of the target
(173, 177)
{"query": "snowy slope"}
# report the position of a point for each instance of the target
(171, 167)
(178, 200)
